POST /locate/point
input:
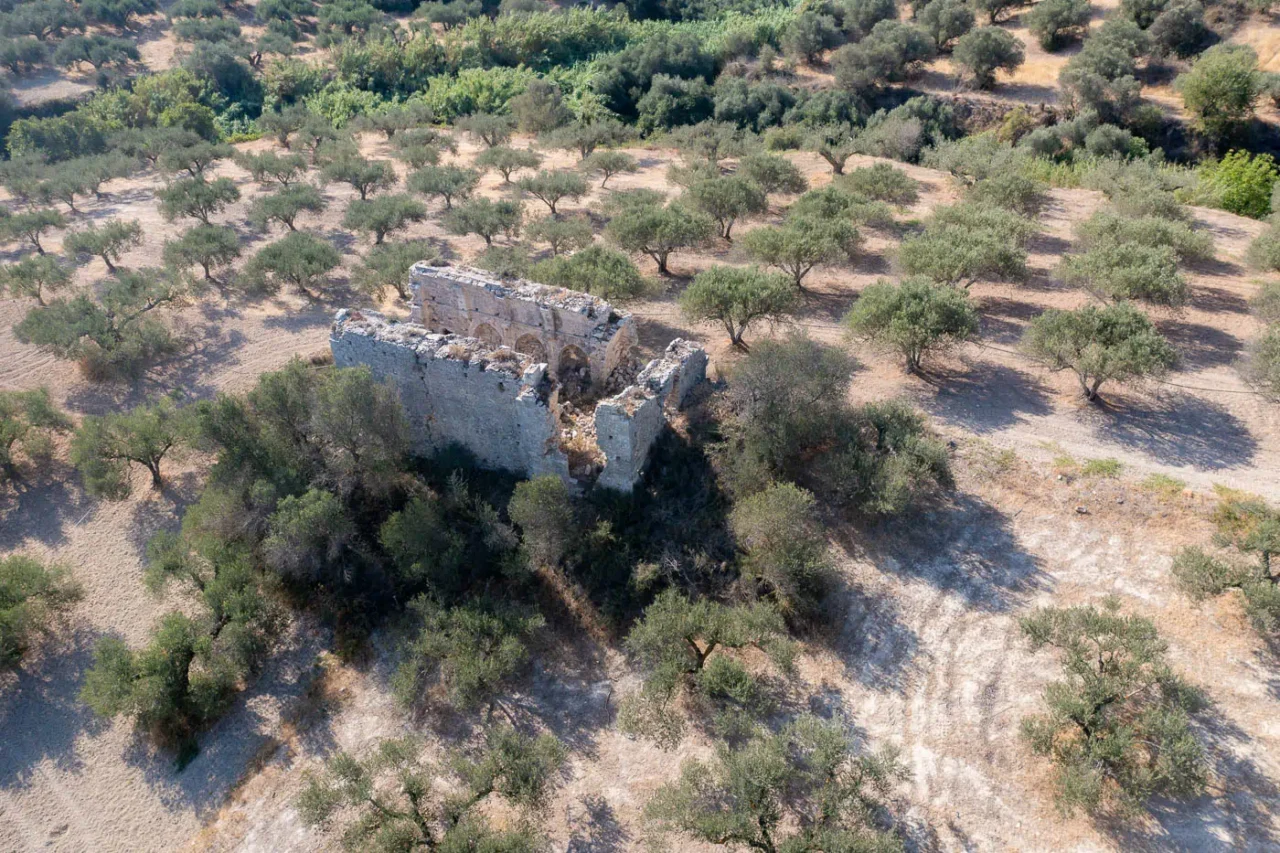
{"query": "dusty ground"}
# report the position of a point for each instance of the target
(927, 655)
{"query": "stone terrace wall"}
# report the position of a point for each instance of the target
(545, 323)
(497, 404)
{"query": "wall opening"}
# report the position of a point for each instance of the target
(488, 334)
(574, 371)
(532, 346)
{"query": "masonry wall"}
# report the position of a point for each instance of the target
(498, 405)
(534, 319)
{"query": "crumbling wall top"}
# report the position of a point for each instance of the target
(543, 295)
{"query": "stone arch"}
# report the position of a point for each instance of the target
(488, 334)
(574, 369)
(532, 346)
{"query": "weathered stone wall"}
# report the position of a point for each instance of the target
(499, 405)
(560, 327)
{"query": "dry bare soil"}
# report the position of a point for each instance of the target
(925, 653)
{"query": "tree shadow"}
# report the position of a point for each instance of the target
(40, 511)
(574, 701)
(986, 397)
(593, 826)
(878, 649)
(245, 733)
(1180, 429)
(1201, 346)
(961, 544)
(40, 709)
(1218, 300)
(1238, 812)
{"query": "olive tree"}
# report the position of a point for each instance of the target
(1055, 22)
(586, 137)
(504, 160)
(197, 198)
(596, 269)
(105, 448)
(658, 231)
(560, 235)
(1117, 726)
(1221, 89)
(33, 596)
(298, 258)
(784, 547)
(983, 51)
(914, 318)
(804, 789)
(485, 218)
(268, 166)
(801, 243)
(727, 199)
(447, 182)
(1122, 271)
(383, 215)
(109, 242)
(363, 175)
(610, 163)
(552, 187)
(32, 225)
(28, 422)
(1249, 536)
(738, 298)
(205, 246)
(386, 267)
(285, 205)
(1117, 343)
(34, 277)
(390, 799)
(492, 130)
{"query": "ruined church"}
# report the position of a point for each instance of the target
(528, 378)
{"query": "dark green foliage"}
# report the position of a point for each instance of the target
(1240, 182)
(946, 21)
(485, 218)
(543, 511)
(197, 198)
(859, 17)
(805, 789)
(33, 596)
(43, 19)
(22, 55)
(784, 548)
(490, 129)
(658, 231)
(448, 182)
(34, 277)
(96, 50)
(207, 29)
(1222, 88)
(996, 9)
(1180, 29)
(624, 77)
(754, 106)
(109, 242)
(384, 215)
(112, 332)
(105, 448)
(472, 650)
(772, 173)
(1115, 343)
(540, 108)
(914, 318)
(1101, 77)
(117, 13)
(596, 269)
(386, 797)
(386, 267)
(205, 246)
(810, 35)
(984, 50)
(28, 422)
(1055, 22)
(793, 421)
(893, 52)
(194, 158)
(1117, 727)
(737, 298)
(551, 187)
(677, 643)
(285, 205)
(299, 259)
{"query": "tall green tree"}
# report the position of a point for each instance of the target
(914, 318)
(105, 447)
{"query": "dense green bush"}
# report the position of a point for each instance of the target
(737, 298)
(1222, 88)
(596, 269)
(1055, 22)
(1240, 182)
(33, 596)
(913, 318)
(28, 422)
(983, 51)
(298, 258)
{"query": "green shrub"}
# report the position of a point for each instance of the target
(1055, 22)
(737, 298)
(33, 596)
(913, 318)
(1240, 183)
(881, 182)
(983, 51)
(597, 270)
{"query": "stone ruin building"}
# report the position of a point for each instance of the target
(528, 378)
